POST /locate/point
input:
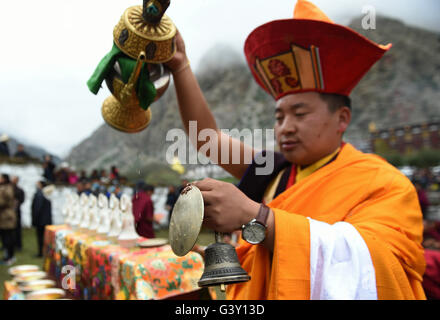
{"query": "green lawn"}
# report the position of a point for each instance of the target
(27, 255)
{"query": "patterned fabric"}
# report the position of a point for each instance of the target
(11, 291)
(107, 271)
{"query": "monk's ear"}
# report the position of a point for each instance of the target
(344, 118)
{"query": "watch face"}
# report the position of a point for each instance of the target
(254, 233)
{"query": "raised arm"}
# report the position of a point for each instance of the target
(193, 107)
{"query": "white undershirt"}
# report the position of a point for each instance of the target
(340, 263)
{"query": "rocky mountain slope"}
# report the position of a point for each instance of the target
(404, 87)
(33, 151)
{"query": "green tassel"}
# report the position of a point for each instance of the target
(145, 90)
(103, 68)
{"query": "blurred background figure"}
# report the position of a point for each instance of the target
(116, 189)
(82, 175)
(8, 219)
(114, 173)
(62, 175)
(19, 197)
(73, 177)
(183, 185)
(95, 175)
(20, 153)
(423, 198)
(431, 234)
(41, 214)
(143, 210)
(49, 168)
(96, 188)
(87, 186)
(79, 187)
(171, 201)
(103, 177)
(4, 149)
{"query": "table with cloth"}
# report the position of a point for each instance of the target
(105, 270)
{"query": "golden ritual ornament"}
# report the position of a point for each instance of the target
(133, 70)
(147, 29)
(221, 261)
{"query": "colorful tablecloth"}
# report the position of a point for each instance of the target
(11, 291)
(92, 267)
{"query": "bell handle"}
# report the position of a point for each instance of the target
(218, 237)
(128, 89)
(153, 10)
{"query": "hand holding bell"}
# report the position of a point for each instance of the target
(221, 261)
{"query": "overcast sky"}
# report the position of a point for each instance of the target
(51, 47)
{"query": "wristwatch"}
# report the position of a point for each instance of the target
(254, 231)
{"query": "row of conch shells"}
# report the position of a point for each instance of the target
(111, 218)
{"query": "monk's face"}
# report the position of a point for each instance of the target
(306, 130)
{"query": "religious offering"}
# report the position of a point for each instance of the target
(151, 243)
(144, 38)
(221, 261)
(79, 211)
(115, 219)
(73, 210)
(29, 276)
(37, 285)
(93, 214)
(67, 208)
(85, 218)
(128, 236)
(23, 269)
(104, 216)
(46, 294)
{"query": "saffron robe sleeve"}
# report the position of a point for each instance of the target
(369, 214)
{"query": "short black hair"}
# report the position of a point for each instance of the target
(335, 101)
(6, 178)
(149, 187)
(43, 183)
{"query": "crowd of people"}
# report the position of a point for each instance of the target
(428, 178)
(97, 182)
(11, 199)
(20, 153)
(427, 181)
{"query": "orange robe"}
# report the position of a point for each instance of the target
(360, 189)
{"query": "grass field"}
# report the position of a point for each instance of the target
(27, 254)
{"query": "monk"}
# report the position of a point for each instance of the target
(329, 222)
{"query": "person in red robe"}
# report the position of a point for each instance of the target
(143, 210)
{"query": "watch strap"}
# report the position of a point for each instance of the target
(263, 214)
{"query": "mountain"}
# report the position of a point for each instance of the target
(401, 88)
(34, 152)
(404, 86)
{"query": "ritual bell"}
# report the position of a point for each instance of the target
(222, 266)
(133, 70)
